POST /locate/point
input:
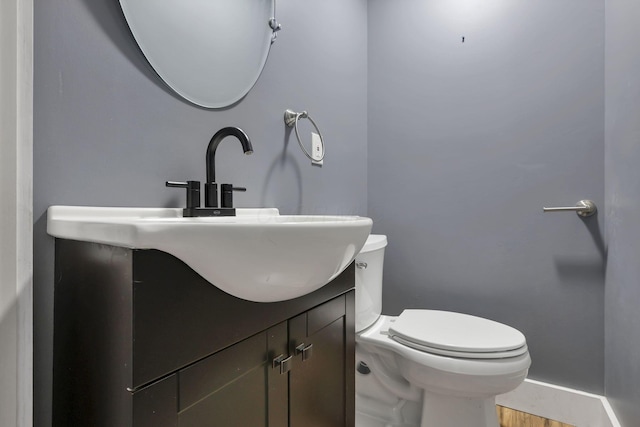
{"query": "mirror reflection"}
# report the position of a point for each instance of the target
(210, 52)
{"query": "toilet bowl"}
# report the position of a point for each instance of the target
(428, 368)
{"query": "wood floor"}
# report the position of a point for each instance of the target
(512, 418)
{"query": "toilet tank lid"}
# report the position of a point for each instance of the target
(374, 242)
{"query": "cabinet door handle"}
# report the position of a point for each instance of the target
(284, 363)
(306, 351)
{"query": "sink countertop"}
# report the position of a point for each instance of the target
(258, 255)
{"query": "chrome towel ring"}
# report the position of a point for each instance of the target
(291, 120)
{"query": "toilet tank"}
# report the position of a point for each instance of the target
(369, 281)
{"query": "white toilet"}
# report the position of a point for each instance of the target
(428, 368)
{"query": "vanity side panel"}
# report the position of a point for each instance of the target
(92, 335)
(181, 318)
(350, 358)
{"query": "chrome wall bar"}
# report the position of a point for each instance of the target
(583, 208)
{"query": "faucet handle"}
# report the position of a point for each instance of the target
(227, 194)
(193, 191)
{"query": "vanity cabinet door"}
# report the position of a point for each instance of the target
(321, 378)
(155, 405)
(236, 387)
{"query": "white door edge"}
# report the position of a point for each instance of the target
(16, 213)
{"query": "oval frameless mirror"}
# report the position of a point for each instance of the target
(210, 52)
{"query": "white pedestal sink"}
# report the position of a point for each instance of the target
(258, 255)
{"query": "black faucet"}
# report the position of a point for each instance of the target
(210, 186)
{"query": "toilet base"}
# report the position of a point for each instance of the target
(377, 413)
(450, 411)
(436, 411)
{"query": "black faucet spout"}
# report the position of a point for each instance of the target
(211, 196)
(217, 139)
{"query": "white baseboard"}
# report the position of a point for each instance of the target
(562, 404)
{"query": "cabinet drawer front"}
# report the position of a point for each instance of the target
(221, 369)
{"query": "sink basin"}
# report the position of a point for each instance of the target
(258, 255)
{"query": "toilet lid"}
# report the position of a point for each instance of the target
(457, 335)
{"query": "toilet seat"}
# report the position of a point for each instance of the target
(456, 335)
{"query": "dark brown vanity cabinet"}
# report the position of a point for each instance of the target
(141, 340)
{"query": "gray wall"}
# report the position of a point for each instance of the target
(109, 133)
(467, 142)
(622, 178)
